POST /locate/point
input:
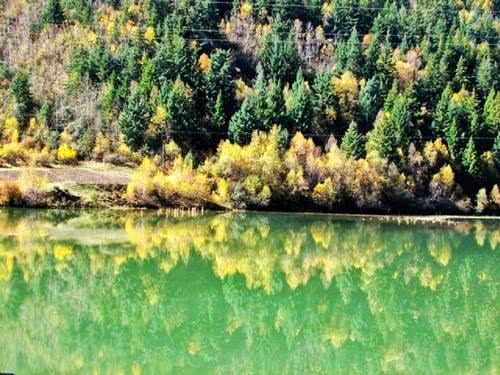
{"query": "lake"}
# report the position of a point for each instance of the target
(139, 292)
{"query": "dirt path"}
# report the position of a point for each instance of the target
(85, 173)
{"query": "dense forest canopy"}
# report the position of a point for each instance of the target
(407, 91)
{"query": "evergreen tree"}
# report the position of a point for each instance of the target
(491, 113)
(391, 97)
(370, 100)
(487, 75)
(280, 58)
(300, 105)
(219, 80)
(324, 100)
(461, 74)
(274, 110)
(20, 90)
(452, 139)
(344, 17)
(352, 142)
(384, 67)
(218, 120)
(348, 54)
(251, 113)
(470, 159)
(176, 97)
(134, 120)
(442, 115)
(496, 150)
(383, 139)
(100, 62)
(52, 14)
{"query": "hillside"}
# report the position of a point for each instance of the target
(361, 105)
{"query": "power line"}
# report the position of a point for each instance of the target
(304, 134)
(322, 40)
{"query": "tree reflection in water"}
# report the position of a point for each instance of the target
(135, 292)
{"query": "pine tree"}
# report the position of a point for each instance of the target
(52, 14)
(496, 150)
(491, 113)
(275, 109)
(352, 142)
(300, 106)
(452, 139)
(348, 54)
(442, 115)
(280, 58)
(218, 120)
(383, 139)
(487, 75)
(370, 100)
(20, 90)
(134, 120)
(462, 78)
(344, 17)
(401, 121)
(324, 100)
(251, 113)
(391, 97)
(470, 159)
(384, 66)
(219, 80)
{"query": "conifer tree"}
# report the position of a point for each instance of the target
(134, 120)
(487, 75)
(370, 100)
(249, 117)
(219, 80)
(491, 113)
(324, 100)
(275, 109)
(452, 139)
(348, 54)
(218, 120)
(442, 115)
(352, 142)
(383, 139)
(300, 106)
(470, 159)
(280, 58)
(496, 150)
(20, 90)
(461, 74)
(52, 14)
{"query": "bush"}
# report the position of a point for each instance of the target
(42, 158)
(10, 194)
(66, 154)
(34, 188)
(14, 154)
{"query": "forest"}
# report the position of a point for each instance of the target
(332, 105)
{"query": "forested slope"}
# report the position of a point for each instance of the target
(364, 104)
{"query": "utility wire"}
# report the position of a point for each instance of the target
(304, 134)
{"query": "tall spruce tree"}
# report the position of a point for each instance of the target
(352, 142)
(300, 105)
(442, 116)
(348, 54)
(52, 14)
(134, 120)
(470, 159)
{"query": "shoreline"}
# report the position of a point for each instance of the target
(103, 186)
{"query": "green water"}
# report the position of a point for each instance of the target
(139, 293)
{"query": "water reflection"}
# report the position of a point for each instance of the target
(245, 293)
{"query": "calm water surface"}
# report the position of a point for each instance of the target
(235, 293)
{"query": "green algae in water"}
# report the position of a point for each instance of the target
(245, 293)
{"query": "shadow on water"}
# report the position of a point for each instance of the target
(136, 292)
